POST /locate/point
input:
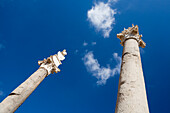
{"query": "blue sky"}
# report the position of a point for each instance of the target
(35, 29)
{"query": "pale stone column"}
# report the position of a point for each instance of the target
(131, 96)
(22, 92)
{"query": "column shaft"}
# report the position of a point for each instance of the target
(131, 92)
(21, 93)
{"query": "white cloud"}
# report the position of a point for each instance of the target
(85, 44)
(112, 1)
(118, 60)
(101, 16)
(101, 73)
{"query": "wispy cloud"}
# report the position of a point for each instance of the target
(88, 44)
(85, 44)
(102, 17)
(101, 73)
(118, 60)
(112, 1)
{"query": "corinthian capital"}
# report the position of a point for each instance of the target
(131, 33)
(51, 63)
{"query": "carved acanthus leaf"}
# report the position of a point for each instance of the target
(131, 33)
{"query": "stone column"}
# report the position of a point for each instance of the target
(22, 92)
(131, 97)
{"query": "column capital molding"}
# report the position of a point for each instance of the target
(131, 33)
(51, 63)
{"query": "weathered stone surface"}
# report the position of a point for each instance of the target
(131, 96)
(21, 93)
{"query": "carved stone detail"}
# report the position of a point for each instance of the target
(131, 33)
(51, 63)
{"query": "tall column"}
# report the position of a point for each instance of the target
(22, 92)
(131, 97)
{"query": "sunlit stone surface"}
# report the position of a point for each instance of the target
(131, 96)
